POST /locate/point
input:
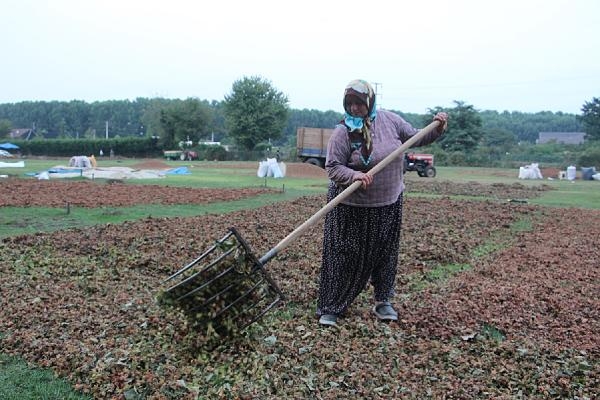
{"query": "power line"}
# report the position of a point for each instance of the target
(500, 84)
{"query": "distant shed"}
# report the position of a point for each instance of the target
(20, 133)
(561, 137)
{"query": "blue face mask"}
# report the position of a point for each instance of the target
(355, 123)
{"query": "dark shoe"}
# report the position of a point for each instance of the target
(385, 312)
(328, 319)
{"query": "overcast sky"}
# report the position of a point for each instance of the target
(509, 55)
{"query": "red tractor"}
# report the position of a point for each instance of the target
(422, 163)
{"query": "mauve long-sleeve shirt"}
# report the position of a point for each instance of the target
(343, 163)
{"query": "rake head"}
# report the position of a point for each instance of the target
(224, 290)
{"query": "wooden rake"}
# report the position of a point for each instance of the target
(227, 288)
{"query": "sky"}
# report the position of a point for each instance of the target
(510, 55)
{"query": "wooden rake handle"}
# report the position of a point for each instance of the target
(345, 193)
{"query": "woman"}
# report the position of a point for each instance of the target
(362, 233)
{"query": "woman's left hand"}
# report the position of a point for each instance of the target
(365, 178)
(443, 118)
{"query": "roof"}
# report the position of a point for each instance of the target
(20, 133)
(561, 137)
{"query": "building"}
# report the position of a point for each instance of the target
(561, 137)
(21, 133)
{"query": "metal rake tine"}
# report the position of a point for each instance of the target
(236, 301)
(205, 284)
(259, 300)
(194, 262)
(206, 268)
(263, 312)
(212, 299)
(255, 285)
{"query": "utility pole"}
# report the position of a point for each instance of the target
(377, 94)
(106, 129)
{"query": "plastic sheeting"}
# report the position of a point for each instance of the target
(587, 173)
(8, 146)
(18, 164)
(104, 173)
(178, 171)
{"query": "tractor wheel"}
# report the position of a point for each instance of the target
(429, 172)
(314, 161)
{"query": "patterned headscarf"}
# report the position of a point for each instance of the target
(358, 127)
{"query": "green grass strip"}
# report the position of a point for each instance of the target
(18, 381)
(496, 242)
(28, 220)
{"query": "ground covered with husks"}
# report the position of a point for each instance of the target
(497, 300)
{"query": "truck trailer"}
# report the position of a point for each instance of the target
(311, 145)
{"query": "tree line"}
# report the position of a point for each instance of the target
(255, 115)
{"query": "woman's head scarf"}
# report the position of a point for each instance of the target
(359, 128)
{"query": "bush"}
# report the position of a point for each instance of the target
(212, 152)
(590, 157)
(126, 147)
(456, 158)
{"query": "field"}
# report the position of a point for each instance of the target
(497, 291)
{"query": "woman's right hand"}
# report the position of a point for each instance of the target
(365, 178)
(442, 117)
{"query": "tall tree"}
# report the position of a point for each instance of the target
(464, 128)
(499, 139)
(591, 119)
(255, 112)
(185, 120)
(5, 127)
(497, 143)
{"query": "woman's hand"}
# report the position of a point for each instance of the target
(366, 179)
(443, 118)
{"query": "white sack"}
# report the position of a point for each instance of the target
(80, 162)
(274, 169)
(263, 169)
(43, 175)
(530, 172)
